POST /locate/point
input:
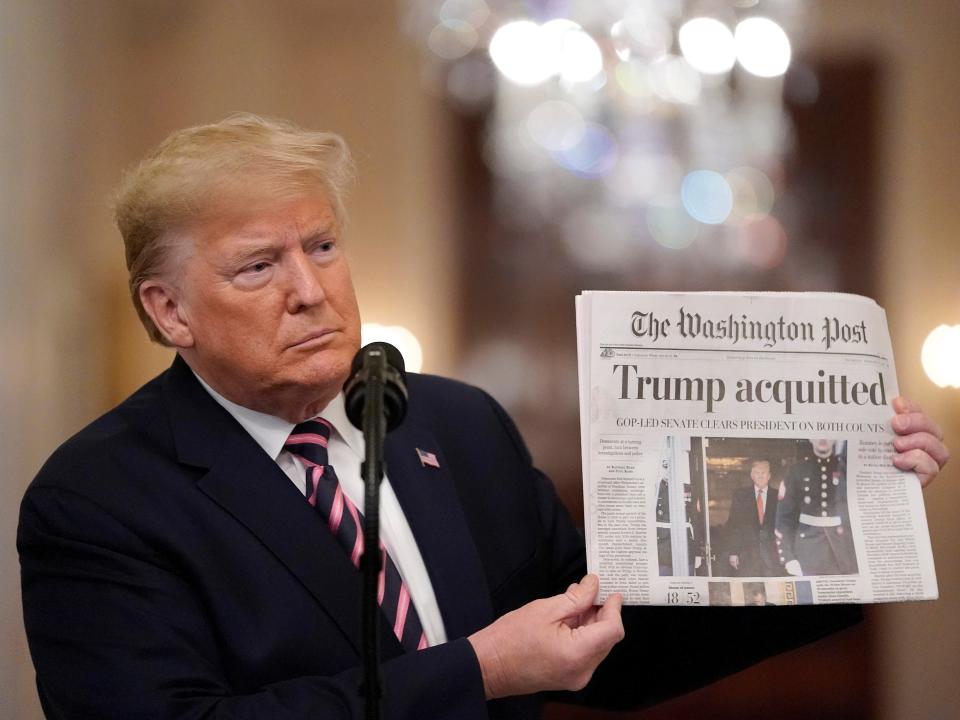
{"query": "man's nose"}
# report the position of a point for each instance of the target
(305, 285)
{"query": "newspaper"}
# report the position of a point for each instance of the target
(737, 450)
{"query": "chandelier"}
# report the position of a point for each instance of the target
(628, 122)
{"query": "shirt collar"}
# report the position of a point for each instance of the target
(271, 432)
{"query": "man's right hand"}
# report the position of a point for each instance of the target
(550, 644)
(735, 562)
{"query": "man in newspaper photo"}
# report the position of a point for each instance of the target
(812, 521)
(753, 511)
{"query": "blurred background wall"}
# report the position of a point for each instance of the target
(86, 88)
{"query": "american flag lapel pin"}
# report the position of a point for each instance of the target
(427, 459)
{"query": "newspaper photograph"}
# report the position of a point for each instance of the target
(737, 450)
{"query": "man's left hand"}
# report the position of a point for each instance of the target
(919, 441)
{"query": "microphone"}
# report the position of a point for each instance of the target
(376, 401)
(378, 363)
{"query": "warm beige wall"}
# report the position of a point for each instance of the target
(87, 88)
(919, 45)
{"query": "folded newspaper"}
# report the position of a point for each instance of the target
(737, 450)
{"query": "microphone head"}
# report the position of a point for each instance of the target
(383, 361)
(394, 357)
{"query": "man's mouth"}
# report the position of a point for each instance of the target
(313, 338)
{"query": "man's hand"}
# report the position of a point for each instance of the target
(793, 568)
(919, 441)
(735, 562)
(550, 644)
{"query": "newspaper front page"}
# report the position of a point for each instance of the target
(737, 450)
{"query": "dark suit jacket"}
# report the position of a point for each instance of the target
(171, 570)
(752, 542)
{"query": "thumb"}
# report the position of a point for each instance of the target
(578, 598)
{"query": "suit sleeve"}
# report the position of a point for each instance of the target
(565, 554)
(115, 632)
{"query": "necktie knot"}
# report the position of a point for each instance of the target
(309, 440)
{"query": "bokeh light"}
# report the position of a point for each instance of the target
(519, 50)
(640, 34)
(474, 12)
(669, 224)
(706, 196)
(674, 80)
(452, 39)
(633, 78)
(575, 55)
(641, 175)
(763, 48)
(593, 156)
(556, 125)
(753, 193)
(940, 356)
(398, 336)
(707, 44)
(763, 241)
(529, 54)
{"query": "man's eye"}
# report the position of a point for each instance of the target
(323, 251)
(256, 267)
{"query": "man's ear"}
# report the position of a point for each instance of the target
(162, 303)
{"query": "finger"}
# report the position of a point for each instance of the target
(578, 598)
(607, 629)
(612, 605)
(919, 462)
(923, 441)
(911, 422)
(611, 608)
(903, 404)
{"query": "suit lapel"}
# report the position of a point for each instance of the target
(249, 485)
(252, 488)
(432, 507)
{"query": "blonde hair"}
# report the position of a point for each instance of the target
(199, 172)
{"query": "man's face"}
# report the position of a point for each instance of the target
(822, 447)
(760, 474)
(271, 308)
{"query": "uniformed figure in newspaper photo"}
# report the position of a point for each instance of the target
(812, 522)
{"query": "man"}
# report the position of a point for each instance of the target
(813, 524)
(189, 554)
(752, 552)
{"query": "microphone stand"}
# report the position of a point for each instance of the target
(374, 431)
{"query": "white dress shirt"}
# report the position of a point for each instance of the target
(346, 452)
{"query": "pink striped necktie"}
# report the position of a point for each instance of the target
(308, 441)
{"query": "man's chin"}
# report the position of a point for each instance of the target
(325, 372)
